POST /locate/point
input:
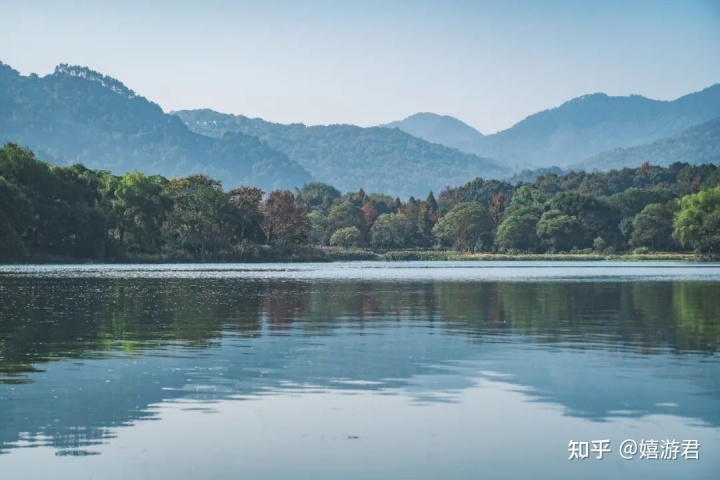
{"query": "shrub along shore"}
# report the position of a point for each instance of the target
(71, 214)
(335, 254)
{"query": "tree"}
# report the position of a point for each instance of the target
(526, 196)
(697, 223)
(284, 223)
(15, 216)
(496, 207)
(198, 219)
(346, 214)
(349, 237)
(390, 230)
(560, 232)
(65, 220)
(518, 231)
(633, 200)
(369, 213)
(426, 220)
(244, 214)
(318, 197)
(467, 227)
(431, 202)
(318, 229)
(137, 206)
(597, 216)
(653, 227)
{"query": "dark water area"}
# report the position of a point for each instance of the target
(358, 370)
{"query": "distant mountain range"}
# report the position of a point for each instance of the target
(350, 157)
(441, 129)
(697, 145)
(78, 115)
(575, 131)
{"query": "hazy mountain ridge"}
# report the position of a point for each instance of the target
(584, 127)
(442, 129)
(77, 115)
(697, 145)
(350, 157)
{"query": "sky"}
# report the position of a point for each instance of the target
(369, 62)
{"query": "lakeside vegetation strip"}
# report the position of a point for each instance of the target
(453, 256)
(54, 214)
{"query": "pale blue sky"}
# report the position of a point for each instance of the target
(489, 63)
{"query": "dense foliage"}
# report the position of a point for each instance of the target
(50, 212)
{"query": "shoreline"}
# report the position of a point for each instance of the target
(330, 255)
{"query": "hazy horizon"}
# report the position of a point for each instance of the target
(488, 64)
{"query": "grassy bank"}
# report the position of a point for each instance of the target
(435, 255)
(265, 254)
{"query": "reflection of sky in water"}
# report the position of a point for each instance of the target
(332, 385)
(77, 401)
(491, 428)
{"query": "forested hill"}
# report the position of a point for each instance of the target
(350, 157)
(581, 128)
(76, 115)
(697, 145)
(442, 129)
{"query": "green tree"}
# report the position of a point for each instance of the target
(197, 221)
(15, 216)
(244, 215)
(346, 214)
(431, 202)
(466, 227)
(137, 206)
(318, 197)
(697, 223)
(653, 227)
(318, 229)
(518, 231)
(390, 230)
(349, 237)
(560, 232)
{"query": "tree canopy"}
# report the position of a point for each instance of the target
(52, 212)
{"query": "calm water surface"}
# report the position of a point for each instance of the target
(443, 370)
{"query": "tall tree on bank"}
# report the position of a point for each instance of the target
(284, 222)
(697, 223)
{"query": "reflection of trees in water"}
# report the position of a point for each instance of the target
(44, 319)
(642, 315)
(697, 309)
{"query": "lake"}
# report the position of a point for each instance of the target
(442, 370)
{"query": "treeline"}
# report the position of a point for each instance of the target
(49, 212)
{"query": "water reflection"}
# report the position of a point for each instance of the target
(82, 356)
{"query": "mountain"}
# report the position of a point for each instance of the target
(697, 145)
(76, 115)
(442, 129)
(584, 127)
(349, 157)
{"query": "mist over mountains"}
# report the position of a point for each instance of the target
(77, 115)
(574, 131)
(696, 145)
(350, 157)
